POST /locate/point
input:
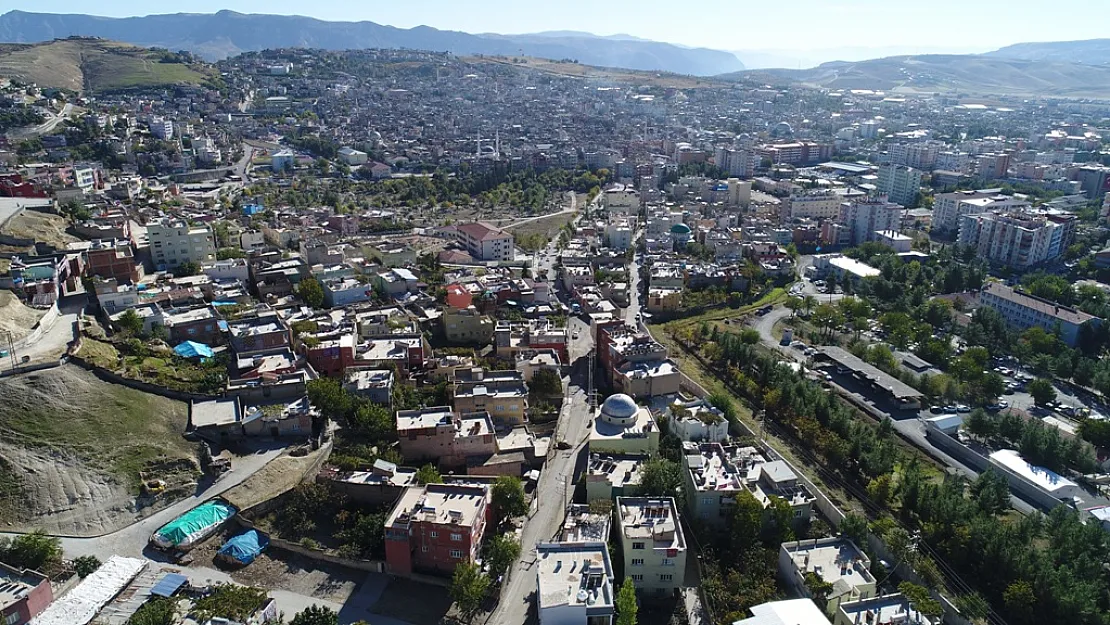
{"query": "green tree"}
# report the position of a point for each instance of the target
(86, 565)
(818, 588)
(311, 292)
(330, 400)
(428, 474)
(157, 611)
(660, 477)
(920, 599)
(468, 588)
(854, 527)
(502, 551)
(316, 615)
(1020, 599)
(131, 323)
(972, 606)
(625, 602)
(33, 551)
(508, 497)
(230, 601)
(546, 383)
(184, 270)
(745, 525)
(1042, 391)
(991, 492)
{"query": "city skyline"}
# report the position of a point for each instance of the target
(813, 31)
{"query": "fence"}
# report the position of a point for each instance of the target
(146, 387)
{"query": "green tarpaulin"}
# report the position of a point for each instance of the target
(194, 524)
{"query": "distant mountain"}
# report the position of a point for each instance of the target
(226, 33)
(94, 65)
(1091, 51)
(580, 33)
(970, 74)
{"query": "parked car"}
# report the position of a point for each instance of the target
(963, 408)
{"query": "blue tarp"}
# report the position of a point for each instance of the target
(192, 349)
(245, 547)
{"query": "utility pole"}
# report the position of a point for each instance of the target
(591, 394)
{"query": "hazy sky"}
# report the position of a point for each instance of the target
(956, 25)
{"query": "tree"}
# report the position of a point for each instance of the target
(854, 527)
(330, 399)
(818, 588)
(502, 551)
(745, 525)
(428, 474)
(794, 304)
(981, 425)
(625, 603)
(1020, 599)
(660, 477)
(33, 551)
(546, 383)
(157, 611)
(230, 601)
(184, 270)
(86, 565)
(972, 606)
(468, 589)
(316, 615)
(311, 292)
(131, 323)
(1042, 391)
(991, 492)
(920, 599)
(508, 497)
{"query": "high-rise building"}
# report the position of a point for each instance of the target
(949, 207)
(1017, 240)
(900, 183)
(862, 218)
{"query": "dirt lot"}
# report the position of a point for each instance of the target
(42, 227)
(76, 445)
(284, 571)
(15, 317)
(280, 475)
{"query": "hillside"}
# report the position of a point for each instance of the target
(94, 65)
(226, 33)
(970, 74)
(1091, 51)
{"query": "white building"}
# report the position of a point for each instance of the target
(842, 266)
(862, 218)
(788, 612)
(621, 200)
(837, 561)
(618, 236)
(900, 183)
(283, 160)
(1017, 240)
(652, 544)
(949, 207)
(161, 128)
(574, 584)
(84, 177)
(352, 156)
(485, 242)
(1024, 311)
(697, 421)
(896, 241)
(893, 608)
(1038, 483)
(818, 205)
(173, 243)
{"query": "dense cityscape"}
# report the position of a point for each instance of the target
(397, 337)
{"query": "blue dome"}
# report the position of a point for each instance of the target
(619, 406)
(680, 229)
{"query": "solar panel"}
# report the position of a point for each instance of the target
(168, 585)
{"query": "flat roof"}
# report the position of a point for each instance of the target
(651, 518)
(424, 418)
(833, 559)
(441, 504)
(788, 612)
(214, 412)
(1043, 306)
(574, 574)
(854, 267)
(1042, 477)
(886, 609)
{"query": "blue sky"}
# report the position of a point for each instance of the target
(912, 25)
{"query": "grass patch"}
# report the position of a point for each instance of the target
(161, 368)
(111, 427)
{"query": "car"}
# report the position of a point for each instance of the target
(810, 351)
(994, 407)
(937, 410)
(562, 445)
(798, 345)
(950, 408)
(828, 377)
(963, 408)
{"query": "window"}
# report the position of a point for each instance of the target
(797, 514)
(667, 562)
(637, 545)
(456, 537)
(637, 561)
(707, 501)
(665, 577)
(455, 553)
(637, 578)
(424, 548)
(435, 534)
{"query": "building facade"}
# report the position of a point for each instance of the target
(433, 528)
(485, 242)
(651, 543)
(173, 243)
(1022, 311)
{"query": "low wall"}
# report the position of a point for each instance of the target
(43, 326)
(146, 387)
(955, 448)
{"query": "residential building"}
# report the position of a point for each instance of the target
(842, 267)
(1017, 240)
(715, 475)
(282, 161)
(352, 156)
(574, 584)
(173, 243)
(816, 205)
(373, 384)
(901, 184)
(621, 200)
(836, 561)
(486, 242)
(440, 434)
(396, 282)
(195, 324)
(339, 292)
(663, 299)
(948, 208)
(23, 595)
(113, 259)
(893, 608)
(622, 427)
(697, 420)
(652, 543)
(862, 218)
(650, 378)
(895, 240)
(433, 528)
(618, 236)
(1022, 311)
(581, 525)
(467, 325)
(790, 612)
(503, 394)
(331, 356)
(612, 476)
(265, 331)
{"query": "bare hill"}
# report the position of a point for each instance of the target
(970, 74)
(96, 65)
(1090, 51)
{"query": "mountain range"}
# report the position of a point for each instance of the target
(226, 33)
(1090, 51)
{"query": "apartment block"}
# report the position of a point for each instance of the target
(715, 475)
(432, 528)
(373, 384)
(891, 609)
(440, 434)
(114, 259)
(173, 243)
(467, 325)
(612, 476)
(485, 242)
(574, 584)
(1017, 240)
(836, 561)
(652, 543)
(816, 205)
(1023, 311)
(503, 394)
(901, 184)
(948, 208)
(862, 218)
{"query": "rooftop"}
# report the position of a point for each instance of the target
(424, 418)
(574, 574)
(1043, 306)
(854, 267)
(1042, 477)
(655, 519)
(788, 612)
(581, 525)
(897, 388)
(441, 504)
(893, 608)
(214, 412)
(15, 585)
(833, 559)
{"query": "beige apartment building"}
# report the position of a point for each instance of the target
(652, 544)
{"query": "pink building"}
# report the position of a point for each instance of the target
(23, 595)
(433, 528)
